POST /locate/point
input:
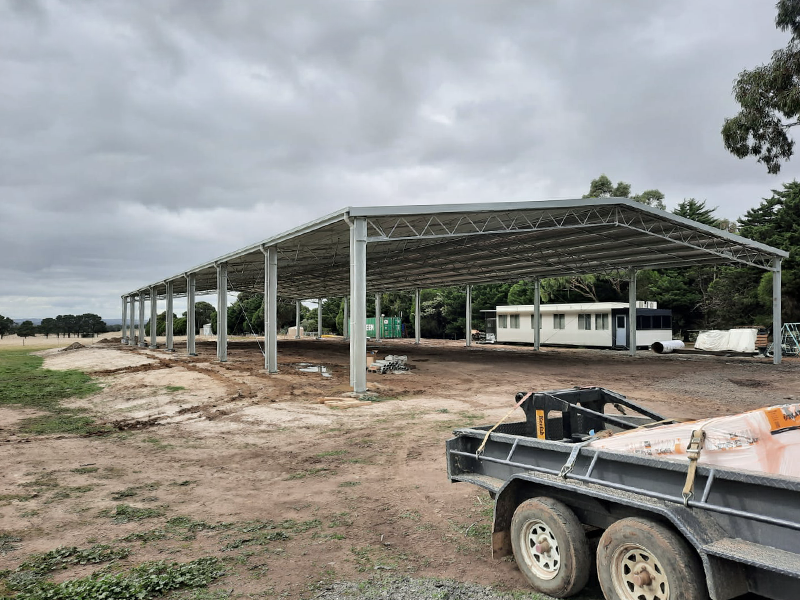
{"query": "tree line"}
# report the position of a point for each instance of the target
(62, 325)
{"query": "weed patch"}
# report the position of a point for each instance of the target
(64, 557)
(331, 453)
(310, 473)
(8, 543)
(125, 513)
(143, 582)
(84, 470)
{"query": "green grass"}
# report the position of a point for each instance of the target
(175, 388)
(24, 383)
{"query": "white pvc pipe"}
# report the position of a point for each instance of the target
(666, 347)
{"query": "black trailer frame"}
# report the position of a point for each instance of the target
(743, 525)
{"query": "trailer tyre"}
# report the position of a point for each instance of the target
(550, 547)
(638, 559)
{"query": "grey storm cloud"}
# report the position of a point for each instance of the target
(140, 138)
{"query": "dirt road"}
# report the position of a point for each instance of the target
(225, 460)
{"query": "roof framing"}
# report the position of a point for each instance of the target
(412, 247)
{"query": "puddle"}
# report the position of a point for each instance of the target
(309, 368)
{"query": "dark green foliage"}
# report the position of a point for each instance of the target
(6, 326)
(696, 211)
(26, 329)
(148, 580)
(64, 557)
(769, 96)
(203, 313)
(776, 222)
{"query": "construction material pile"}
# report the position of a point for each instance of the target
(391, 364)
(765, 440)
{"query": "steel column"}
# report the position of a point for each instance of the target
(191, 284)
(271, 309)
(141, 321)
(346, 319)
(358, 295)
(417, 319)
(124, 330)
(153, 318)
(632, 312)
(131, 329)
(777, 325)
(319, 318)
(537, 313)
(378, 318)
(170, 325)
(222, 312)
(469, 316)
(297, 319)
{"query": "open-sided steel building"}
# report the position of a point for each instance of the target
(378, 249)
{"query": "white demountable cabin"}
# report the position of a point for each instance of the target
(597, 324)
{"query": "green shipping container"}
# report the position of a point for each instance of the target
(391, 327)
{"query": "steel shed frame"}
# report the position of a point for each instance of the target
(360, 250)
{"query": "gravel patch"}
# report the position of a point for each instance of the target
(407, 588)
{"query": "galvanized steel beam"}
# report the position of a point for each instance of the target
(468, 317)
(124, 329)
(777, 327)
(170, 325)
(632, 312)
(222, 312)
(191, 317)
(142, 344)
(271, 309)
(153, 319)
(417, 318)
(378, 317)
(537, 314)
(358, 295)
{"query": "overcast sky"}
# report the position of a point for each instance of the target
(138, 139)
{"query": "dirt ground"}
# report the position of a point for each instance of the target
(294, 494)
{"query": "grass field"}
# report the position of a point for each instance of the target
(25, 384)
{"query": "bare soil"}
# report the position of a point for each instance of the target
(311, 494)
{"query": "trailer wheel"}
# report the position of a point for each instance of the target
(550, 547)
(638, 559)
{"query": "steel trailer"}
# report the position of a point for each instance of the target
(734, 532)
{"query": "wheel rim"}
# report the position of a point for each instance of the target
(540, 550)
(638, 575)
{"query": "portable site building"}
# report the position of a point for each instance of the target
(597, 324)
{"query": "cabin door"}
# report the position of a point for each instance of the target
(620, 328)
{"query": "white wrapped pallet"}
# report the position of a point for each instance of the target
(765, 440)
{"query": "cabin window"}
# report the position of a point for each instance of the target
(601, 321)
(559, 321)
(585, 322)
(502, 320)
(514, 321)
(533, 321)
